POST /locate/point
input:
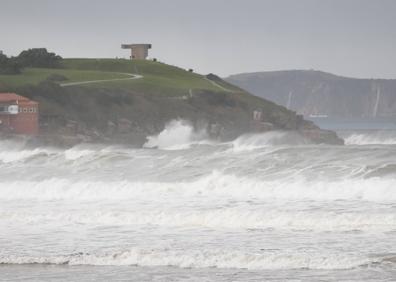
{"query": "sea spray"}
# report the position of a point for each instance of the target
(177, 135)
(205, 258)
(213, 186)
(261, 203)
(241, 217)
(254, 141)
(370, 138)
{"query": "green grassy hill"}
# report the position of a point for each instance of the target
(107, 96)
(34, 76)
(157, 77)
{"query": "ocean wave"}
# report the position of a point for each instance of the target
(214, 185)
(262, 259)
(219, 218)
(177, 135)
(386, 170)
(21, 153)
(248, 142)
(373, 138)
(180, 135)
(16, 150)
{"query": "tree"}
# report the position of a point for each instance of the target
(39, 58)
(9, 65)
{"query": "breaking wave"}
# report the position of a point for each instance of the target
(180, 134)
(192, 206)
(262, 259)
(236, 218)
(14, 150)
(177, 135)
(216, 184)
(248, 142)
(373, 138)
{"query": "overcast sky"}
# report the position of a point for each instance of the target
(354, 38)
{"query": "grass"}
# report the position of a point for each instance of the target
(157, 77)
(37, 75)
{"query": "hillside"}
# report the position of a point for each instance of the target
(119, 100)
(320, 93)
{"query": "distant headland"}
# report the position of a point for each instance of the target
(124, 101)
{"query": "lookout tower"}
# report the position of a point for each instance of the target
(138, 51)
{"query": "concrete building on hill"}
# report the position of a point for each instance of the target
(138, 51)
(18, 114)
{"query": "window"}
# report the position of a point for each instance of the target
(25, 110)
(31, 110)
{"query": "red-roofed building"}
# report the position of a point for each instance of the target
(18, 114)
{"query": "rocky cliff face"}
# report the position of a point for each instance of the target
(319, 93)
(82, 114)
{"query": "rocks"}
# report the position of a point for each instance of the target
(321, 136)
(213, 77)
(261, 126)
(59, 140)
(121, 116)
(124, 125)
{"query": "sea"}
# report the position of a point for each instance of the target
(263, 207)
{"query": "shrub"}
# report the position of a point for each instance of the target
(39, 58)
(56, 77)
(9, 65)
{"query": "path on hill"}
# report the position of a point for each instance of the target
(219, 86)
(132, 76)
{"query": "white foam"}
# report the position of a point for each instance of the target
(248, 142)
(377, 138)
(204, 259)
(220, 218)
(14, 156)
(214, 185)
(177, 135)
(74, 153)
(14, 150)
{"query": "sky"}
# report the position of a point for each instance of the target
(355, 38)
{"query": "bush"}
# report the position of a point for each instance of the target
(56, 77)
(39, 58)
(9, 65)
(218, 99)
(213, 77)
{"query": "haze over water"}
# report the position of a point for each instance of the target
(185, 208)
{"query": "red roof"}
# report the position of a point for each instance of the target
(11, 97)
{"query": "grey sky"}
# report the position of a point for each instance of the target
(347, 37)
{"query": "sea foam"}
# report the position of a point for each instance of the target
(205, 259)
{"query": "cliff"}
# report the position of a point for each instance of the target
(123, 101)
(319, 93)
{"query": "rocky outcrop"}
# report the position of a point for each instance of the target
(77, 114)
